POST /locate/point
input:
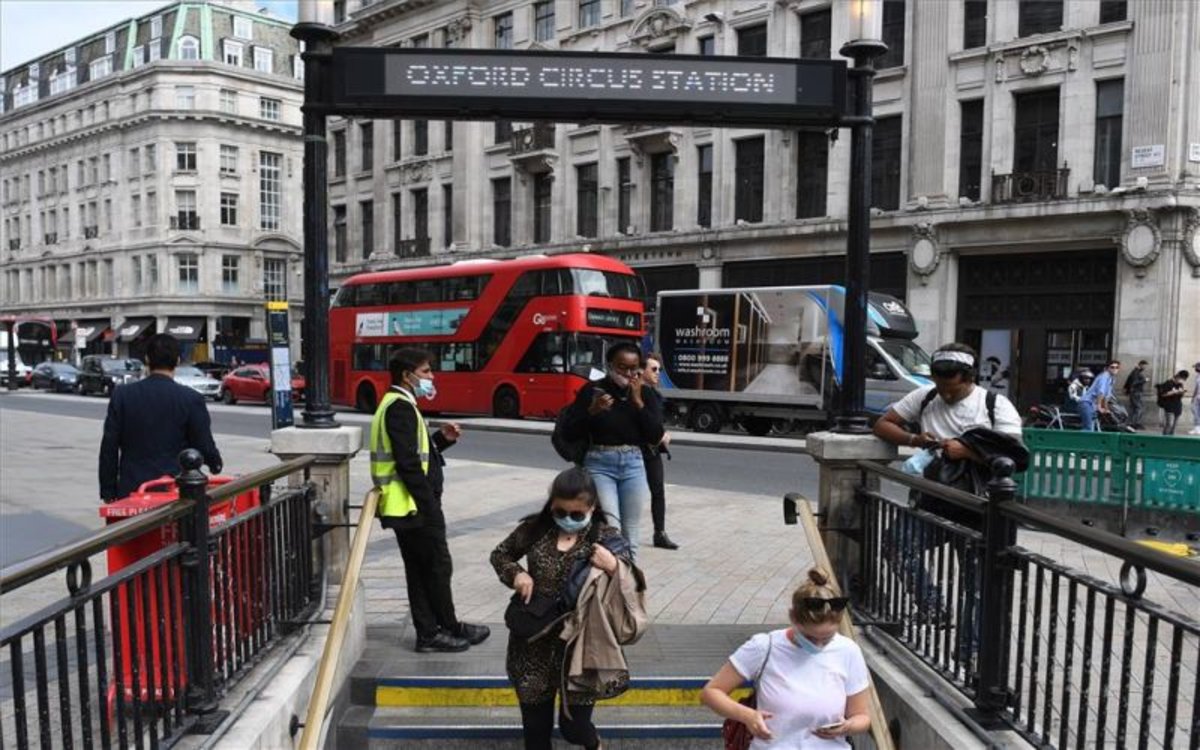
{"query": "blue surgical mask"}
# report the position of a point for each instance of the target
(571, 526)
(804, 643)
(424, 388)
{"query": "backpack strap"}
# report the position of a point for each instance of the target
(990, 400)
(929, 397)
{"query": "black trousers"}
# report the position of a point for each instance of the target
(537, 720)
(427, 569)
(658, 496)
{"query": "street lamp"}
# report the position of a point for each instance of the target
(866, 26)
(316, 34)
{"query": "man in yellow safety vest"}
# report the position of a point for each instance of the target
(406, 466)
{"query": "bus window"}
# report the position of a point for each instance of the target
(465, 288)
(371, 357)
(546, 354)
(430, 290)
(347, 296)
(372, 294)
(604, 284)
(588, 351)
(456, 357)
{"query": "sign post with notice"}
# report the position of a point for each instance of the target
(281, 365)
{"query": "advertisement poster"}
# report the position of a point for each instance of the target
(281, 365)
(995, 360)
(444, 322)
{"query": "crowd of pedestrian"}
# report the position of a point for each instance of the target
(1092, 399)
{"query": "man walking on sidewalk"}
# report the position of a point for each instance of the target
(150, 422)
(406, 466)
(1135, 384)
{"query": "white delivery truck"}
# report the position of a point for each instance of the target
(756, 355)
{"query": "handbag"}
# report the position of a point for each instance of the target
(736, 734)
(531, 620)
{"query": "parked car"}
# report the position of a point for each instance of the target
(215, 370)
(198, 381)
(253, 383)
(98, 374)
(23, 371)
(59, 377)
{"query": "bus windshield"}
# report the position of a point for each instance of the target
(908, 355)
(605, 284)
(587, 353)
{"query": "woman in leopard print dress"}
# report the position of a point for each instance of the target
(551, 542)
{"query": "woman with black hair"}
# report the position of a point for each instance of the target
(617, 415)
(569, 528)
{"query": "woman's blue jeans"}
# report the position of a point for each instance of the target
(624, 492)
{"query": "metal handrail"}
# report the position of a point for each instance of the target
(960, 498)
(259, 478)
(318, 704)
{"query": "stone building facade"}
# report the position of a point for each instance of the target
(1036, 169)
(150, 177)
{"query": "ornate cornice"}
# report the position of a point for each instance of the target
(1141, 242)
(658, 28)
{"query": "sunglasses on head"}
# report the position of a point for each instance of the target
(818, 604)
(575, 515)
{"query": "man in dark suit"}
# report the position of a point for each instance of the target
(149, 422)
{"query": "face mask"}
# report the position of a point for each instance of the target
(573, 527)
(425, 388)
(808, 646)
(620, 380)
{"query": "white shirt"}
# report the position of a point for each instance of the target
(803, 691)
(945, 421)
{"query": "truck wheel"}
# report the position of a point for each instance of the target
(506, 404)
(364, 399)
(757, 426)
(707, 418)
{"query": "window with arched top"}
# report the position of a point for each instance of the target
(189, 48)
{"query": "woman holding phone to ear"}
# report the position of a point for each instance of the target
(811, 682)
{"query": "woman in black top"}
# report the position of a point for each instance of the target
(618, 415)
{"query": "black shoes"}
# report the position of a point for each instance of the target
(662, 541)
(473, 634)
(442, 643)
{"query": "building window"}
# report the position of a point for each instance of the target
(139, 282)
(812, 173)
(366, 213)
(748, 189)
(885, 167)
(397, 129)
(339, 11)
(1039, 16)
(366, 142)
(151, 158)
(704, 176)
(229, 159)
(135, 206)
(275, 279)
(502, 131)
(752, 41)
(98, 68)
(974, 23)
(1110, 110)
(707, 45)
(397, 224)
(152, 208)
(420, 137)
(502, 211)
(189, 273)
(139, 57)
(243, 28)
(542, 207)
(1113, 10)
(970, 150)
(543, 20)
(156, 27)
(589, 13)
(624, 196)
(448, 135)
(893, 34)
(503, 37)
(185, 156)
(154, 50)
(229, 274)
(268, 109)
(189, 48)
(233, 53)
(587, 200)
(662, 192)
(1035, 141)
(186, 216)
(339, 234)
(815, 34)
(270, 189)
(420, 200)
(229, 208)
(339, 153)
(626, 8)
(264, 59)
(229, 101)
(185, 97)
(448, 215)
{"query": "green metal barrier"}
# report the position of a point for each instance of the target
(1119, 469)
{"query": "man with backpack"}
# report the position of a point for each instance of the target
(1170, 400)
(1134, 385)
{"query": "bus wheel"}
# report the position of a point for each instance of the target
(757, 426)
(707, 418)
(364, 400)
(505, 404)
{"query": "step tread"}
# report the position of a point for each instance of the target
(505, 722)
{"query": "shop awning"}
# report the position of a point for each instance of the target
(88, 331)
(132, 328)
(185, 329)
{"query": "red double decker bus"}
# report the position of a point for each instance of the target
(510, 338)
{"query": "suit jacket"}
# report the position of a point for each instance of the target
(148, 424)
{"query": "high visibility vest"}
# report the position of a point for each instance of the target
(394, 497)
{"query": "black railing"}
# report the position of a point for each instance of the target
(1063, 658)
(536, 138)
(197, 591)
(91, 233)
(1033, 185)
(415, 248)
(185, 222)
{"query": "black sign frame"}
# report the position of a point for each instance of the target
(360, 88)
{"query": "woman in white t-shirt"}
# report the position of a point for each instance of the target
(811, 682)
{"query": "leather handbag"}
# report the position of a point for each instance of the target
(529, 621)
(736, 734)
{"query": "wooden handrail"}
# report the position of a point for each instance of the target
(318, 704)
(879, 726)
